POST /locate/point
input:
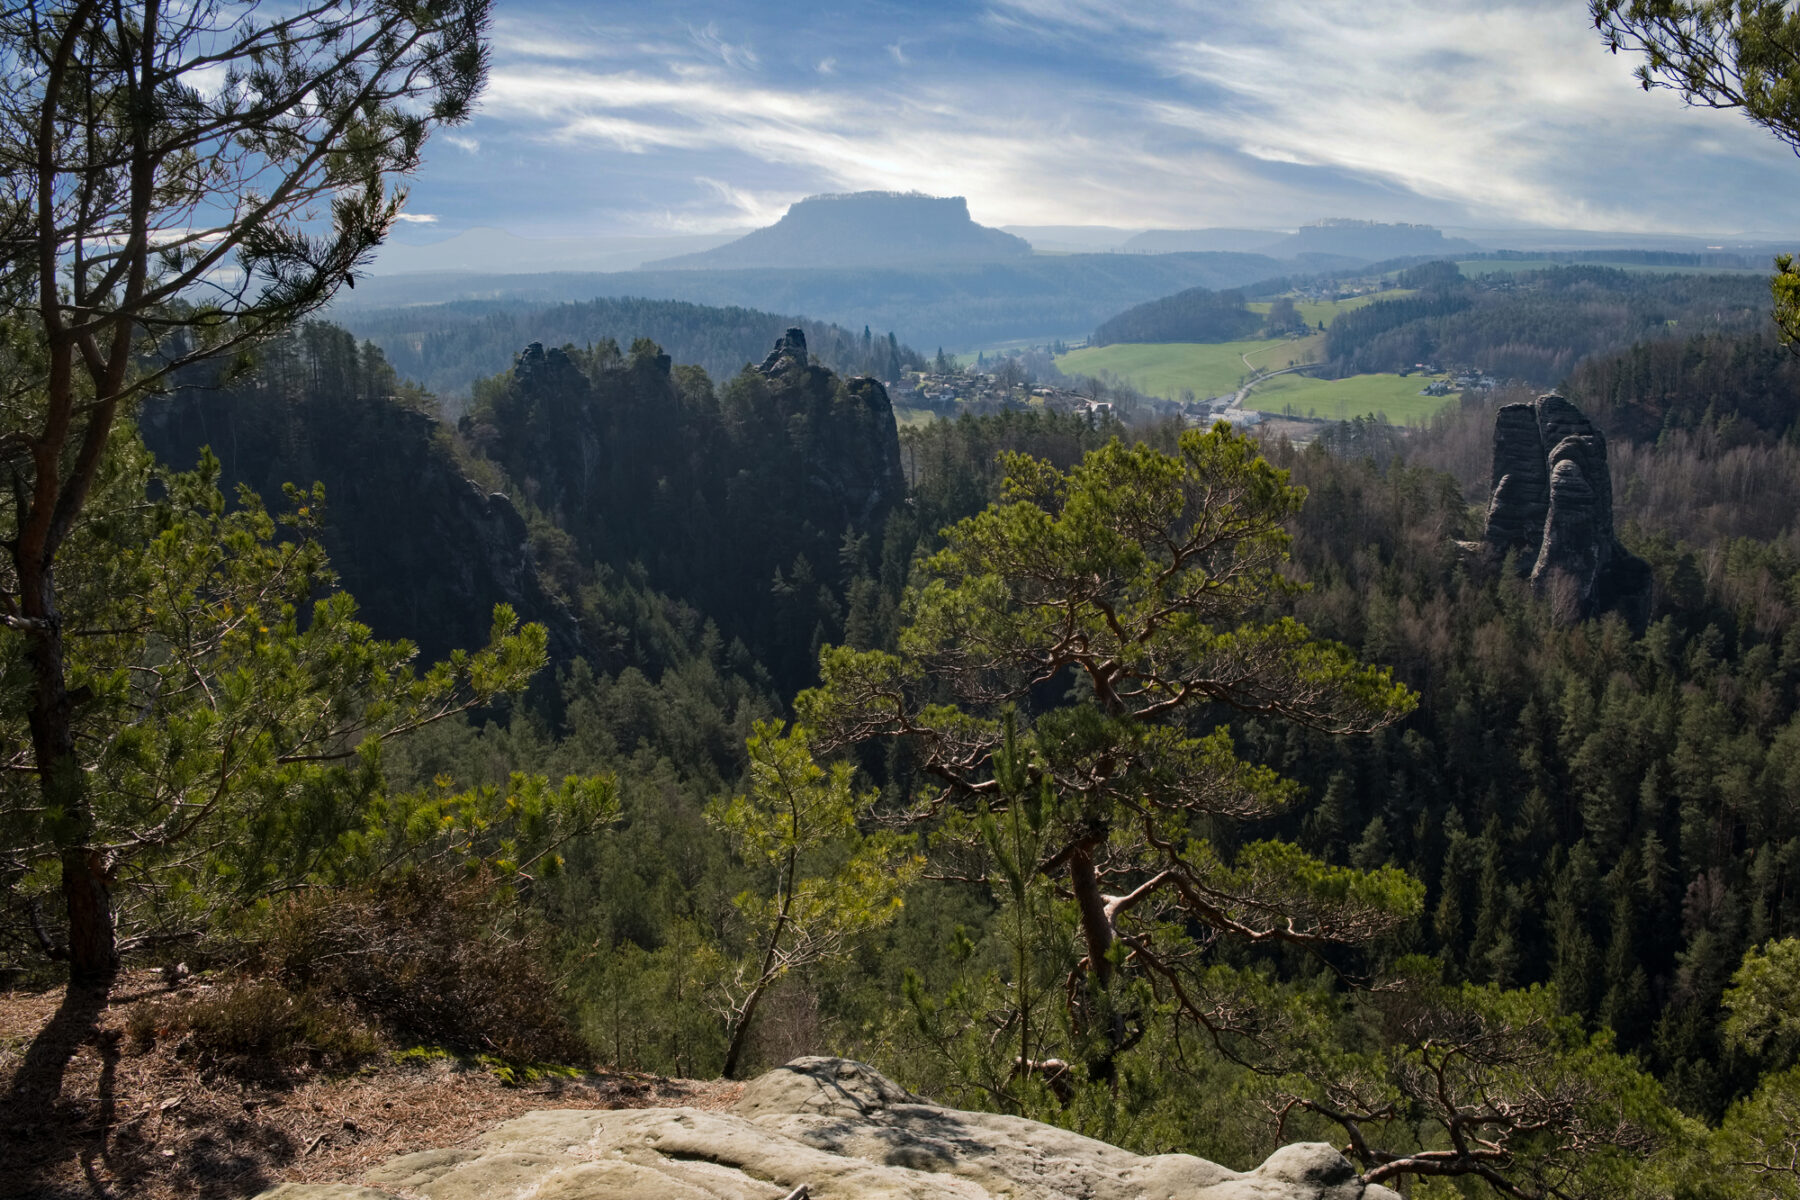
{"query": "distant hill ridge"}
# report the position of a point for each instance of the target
(862, 229)
(1340, 238)
(1368, 240)
(447, 347)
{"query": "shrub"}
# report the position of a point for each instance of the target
(259, 1024)
(429, 959)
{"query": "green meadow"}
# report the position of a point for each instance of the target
(1212, 368)
(1392, 396)
(905, 416)
(1168, 368)
(1315, 311)
(1218, 369)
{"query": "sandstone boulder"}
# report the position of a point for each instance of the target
(839, 1130)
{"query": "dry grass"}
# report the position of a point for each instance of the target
(146, 1121)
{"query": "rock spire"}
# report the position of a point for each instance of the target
(1551, 505)
(790, 346)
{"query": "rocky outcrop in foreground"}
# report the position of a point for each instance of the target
(839, 1131)
(1552, 506)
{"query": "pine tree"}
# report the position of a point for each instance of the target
(112, 231)
(1574, 956)
(1141, 575)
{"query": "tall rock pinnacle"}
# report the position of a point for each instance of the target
(1552, 505)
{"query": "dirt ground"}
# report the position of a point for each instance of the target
(129, 1120)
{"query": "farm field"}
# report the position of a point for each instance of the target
(1167, 368)
(1392, 396)
(1211, 368)
(1315, 311)
(1280, 355)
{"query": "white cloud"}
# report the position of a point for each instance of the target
(1188, 112)
(1508, 110)
(417, 218)
(732, 54)
(750, 207)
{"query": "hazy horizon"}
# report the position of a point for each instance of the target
(696, 118)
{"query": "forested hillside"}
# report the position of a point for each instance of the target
(1607, 814)
(959, 305)
(1536, 326)
(760, 503)
(426, 550)
(445, 347)
(1568, 805)
(1610, 814)
(1196, 315)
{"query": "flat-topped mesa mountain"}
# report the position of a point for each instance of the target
(862, 229)
(1551, 506)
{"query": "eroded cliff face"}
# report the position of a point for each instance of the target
(855, 462)
(1551, 507)
(756, 502)
(425, 551)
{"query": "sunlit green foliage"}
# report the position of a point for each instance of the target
(1432, 1081)
(795, 818)
(231, 708)
(1134, 582)
(1757, 1151)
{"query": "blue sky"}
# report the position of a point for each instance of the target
(607, 119)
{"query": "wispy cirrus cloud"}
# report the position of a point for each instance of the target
(1189, 112)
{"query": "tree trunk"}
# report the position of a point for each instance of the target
(1096, 926)
(86, 880)
(1097, 932)
(742, 1030)
(93, 950)
(740, 1034)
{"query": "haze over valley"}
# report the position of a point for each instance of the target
(1039, 599)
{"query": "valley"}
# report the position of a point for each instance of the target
(1188, 371)
(832, 601)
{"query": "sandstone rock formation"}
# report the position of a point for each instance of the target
(1552, 506)
(426, 551)
(838, 1130)
(791, 346)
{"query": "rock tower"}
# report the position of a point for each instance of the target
(1552, 505)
